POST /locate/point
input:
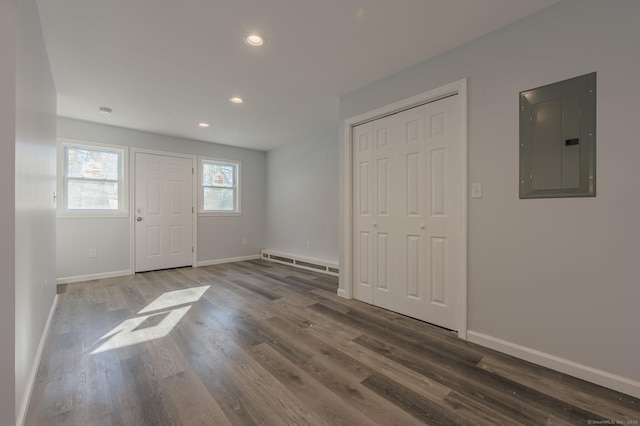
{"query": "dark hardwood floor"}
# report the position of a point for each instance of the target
(260, 343)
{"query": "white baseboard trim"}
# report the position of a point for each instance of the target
(228, 260)
(590, 374)
(321, 266)
(26, 398)
(101, 276)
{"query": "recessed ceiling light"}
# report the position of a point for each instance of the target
(105, 110)
(254, 39)
(237, 100)
(203, 125)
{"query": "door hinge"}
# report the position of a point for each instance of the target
(193, 171)
(192, 250)
(193, 209)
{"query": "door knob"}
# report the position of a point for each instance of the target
(375, 224)
(422, 226)
(138, 218)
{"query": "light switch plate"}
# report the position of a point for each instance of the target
(476, 190)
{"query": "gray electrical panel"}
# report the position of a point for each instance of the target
(558, 139)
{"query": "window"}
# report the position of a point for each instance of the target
(219, 187)
(93, 179)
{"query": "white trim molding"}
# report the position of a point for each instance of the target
(346, 182)
(92, 277)
(590, 374)
(26, 398)
(228, 260)
(315, 265)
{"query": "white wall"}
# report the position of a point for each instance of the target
(27, 182)
(7, 211)
(35, 182)
(218, 237)
(554, 275)
(302, 198)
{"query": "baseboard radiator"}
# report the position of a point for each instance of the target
(301, 262)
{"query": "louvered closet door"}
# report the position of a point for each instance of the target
(406, 192)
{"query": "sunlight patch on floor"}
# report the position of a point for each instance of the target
(158, 322)
(175, 298)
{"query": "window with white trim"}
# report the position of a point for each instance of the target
(93, 179)
(219, 187)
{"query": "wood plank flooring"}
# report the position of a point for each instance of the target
(257, 343)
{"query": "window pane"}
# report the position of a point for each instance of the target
(87, 163)
(88, 195)
(219, 199)
(218, 174)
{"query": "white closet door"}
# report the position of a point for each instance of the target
(406, 192)
(431, 247)
(364, 216)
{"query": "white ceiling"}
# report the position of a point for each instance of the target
(165, 65)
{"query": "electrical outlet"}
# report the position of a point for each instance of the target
(93, 253)
(244, 241)
(476, 190)
(308, 244)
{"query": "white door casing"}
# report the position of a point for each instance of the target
(408, 234)
(163, 211)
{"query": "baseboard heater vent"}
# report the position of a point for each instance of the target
(302, 263)
(280, 259)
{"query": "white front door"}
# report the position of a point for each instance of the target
(163, 212)
(407, 187)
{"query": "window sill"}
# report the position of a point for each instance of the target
(87, 215)
(221, 214)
